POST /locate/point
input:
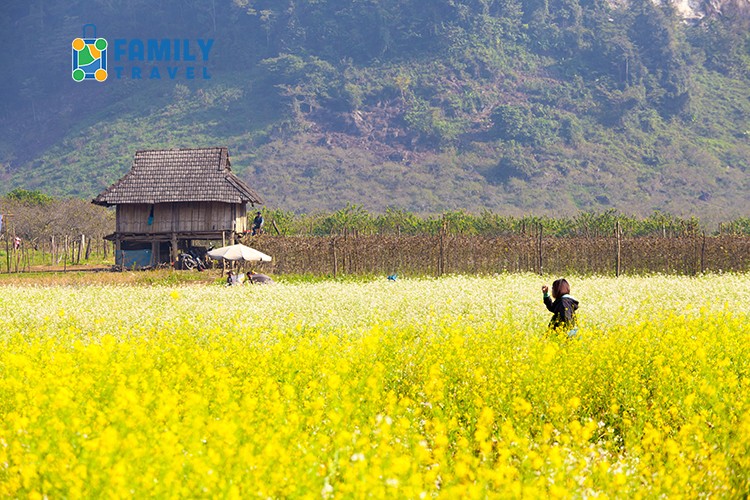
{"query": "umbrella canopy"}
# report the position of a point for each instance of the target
(239, 252)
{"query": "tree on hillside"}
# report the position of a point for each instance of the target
(725, 44)
(27, 197)
(666, 56)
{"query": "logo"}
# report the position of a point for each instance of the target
(140, 59)
(157, 58)
(89, 57)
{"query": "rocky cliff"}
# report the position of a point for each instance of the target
(696, 10)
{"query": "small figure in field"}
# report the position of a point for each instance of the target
(563, 308)
(257, 224)
(233, 279)
(258, 278)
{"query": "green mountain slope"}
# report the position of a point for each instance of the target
(515, 106)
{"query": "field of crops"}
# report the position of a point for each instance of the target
(409, 389)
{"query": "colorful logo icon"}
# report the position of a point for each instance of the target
(89, 57)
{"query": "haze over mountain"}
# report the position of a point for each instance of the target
(518, 106)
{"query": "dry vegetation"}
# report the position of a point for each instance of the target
(426, 255)
(435, 255)
(83, 275)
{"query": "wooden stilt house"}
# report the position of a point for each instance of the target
(170, 198)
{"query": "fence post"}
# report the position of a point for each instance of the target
(65, 254)
(16, 252)
(441, 257)
(541, 267)
(176, 255)
(333, 254)
(618, 245)
(80, 249)
(7, 249)
(73, 251)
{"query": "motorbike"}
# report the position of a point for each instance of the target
(191, 260)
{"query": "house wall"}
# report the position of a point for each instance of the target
(241, 218)
(181, 217)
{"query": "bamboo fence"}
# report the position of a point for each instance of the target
(454, 254)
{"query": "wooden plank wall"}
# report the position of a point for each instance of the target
(241, 219)
(181, 217)
(133, 218)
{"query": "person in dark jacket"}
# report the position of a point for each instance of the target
(257, 224)
(563, 308)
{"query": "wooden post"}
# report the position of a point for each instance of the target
(541, 262)
(154, 253)
(273, 223)
(7, 219)
(441, 256)
(618, 244)
(26, 259)
(16, 252)
(335, 258)
(223, 244)
(80, 249)
(7, 249)
(174, 255)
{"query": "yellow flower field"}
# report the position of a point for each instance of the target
(410, 389)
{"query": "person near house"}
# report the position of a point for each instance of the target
(257, 224)
(562, 306)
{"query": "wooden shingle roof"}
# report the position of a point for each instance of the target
(175, 175)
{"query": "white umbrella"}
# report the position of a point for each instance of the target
(239, 252)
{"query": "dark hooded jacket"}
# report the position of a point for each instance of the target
(563, 309)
